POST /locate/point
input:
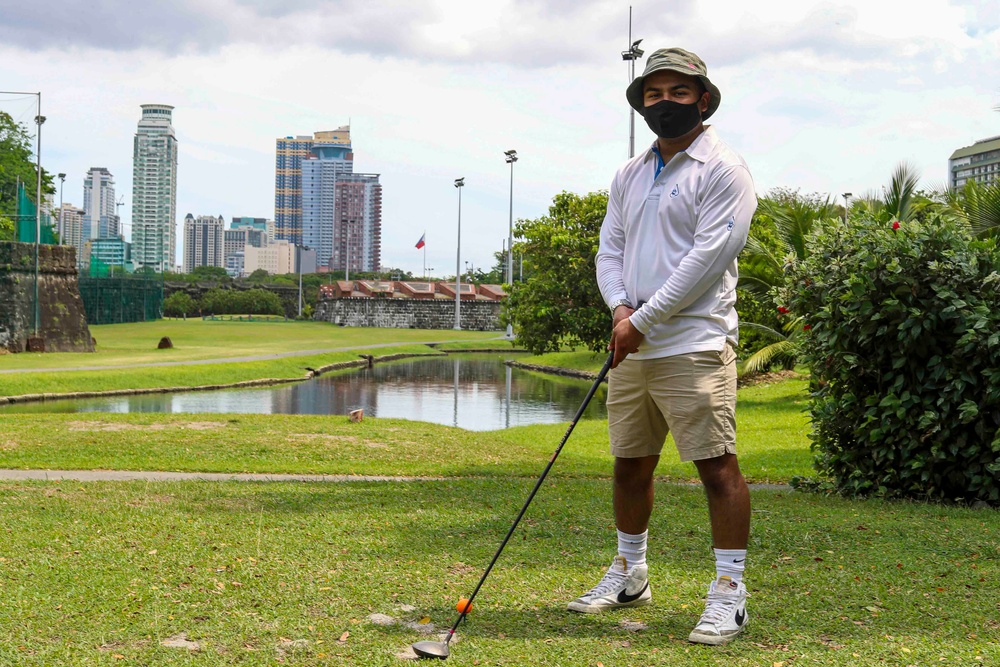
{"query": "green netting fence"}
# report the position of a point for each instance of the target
(117, 298)
(26, 221)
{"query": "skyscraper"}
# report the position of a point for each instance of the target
(203, 241)
(100, 220)
(322, 204)
(154, 189)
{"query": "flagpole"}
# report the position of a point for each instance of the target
(424, 237)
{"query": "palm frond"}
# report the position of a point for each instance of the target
(899, 197)
(764, 357)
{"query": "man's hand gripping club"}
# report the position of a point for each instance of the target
(625, 338)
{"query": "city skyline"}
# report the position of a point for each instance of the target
(819, 96)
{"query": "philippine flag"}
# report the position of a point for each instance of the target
(420, 243)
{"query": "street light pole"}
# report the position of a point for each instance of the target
(62, 181)
(511, 158)
(630, 56)
(459, 183)
(39, 119)
(298, 260)
(847, 204)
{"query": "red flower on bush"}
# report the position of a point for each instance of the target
(806, 327)
(783, 310)
(895, 225)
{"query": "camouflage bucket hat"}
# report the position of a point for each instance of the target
(678, 60)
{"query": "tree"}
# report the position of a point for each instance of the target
(16, 163)
(258, 276)
(6, 228)
(560, 304)
(210, 274)
(178, 304)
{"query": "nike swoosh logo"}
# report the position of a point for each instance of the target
(740, 560)
(625, 598)
(741, 616)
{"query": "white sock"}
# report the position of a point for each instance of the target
(730, 563)
(632, 548)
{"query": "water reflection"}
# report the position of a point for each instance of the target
(474, 392)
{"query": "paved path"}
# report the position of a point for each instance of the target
(158, 476)
(235, 360)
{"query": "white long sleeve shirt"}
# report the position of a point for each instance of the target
(671, 241)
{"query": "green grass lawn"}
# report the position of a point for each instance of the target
(277, 573)
(102, 573)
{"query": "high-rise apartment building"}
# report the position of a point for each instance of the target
(106, 255)
(263, 224)
(277, 258)
(154, 189)
(71, 222)
(979, 162)
(320, 203)
(101, 218)
(203, 241)
(357, 225)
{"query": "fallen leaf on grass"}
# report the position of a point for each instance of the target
(424, 620)
(343, 637)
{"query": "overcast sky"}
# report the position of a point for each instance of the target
(820, 96)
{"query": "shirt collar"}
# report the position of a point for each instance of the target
(700, 149)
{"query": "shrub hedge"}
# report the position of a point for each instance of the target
(904, 344)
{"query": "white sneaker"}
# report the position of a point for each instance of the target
(620, 587)
(725, 613)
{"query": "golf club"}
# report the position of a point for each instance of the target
(430, 649)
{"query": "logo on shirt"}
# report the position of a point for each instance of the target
(676, 191)
(732, 221)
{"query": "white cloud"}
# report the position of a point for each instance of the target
(823, 96)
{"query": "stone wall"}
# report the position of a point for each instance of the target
(63, 326)
(409, 313)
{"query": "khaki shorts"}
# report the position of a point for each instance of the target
(692, 396)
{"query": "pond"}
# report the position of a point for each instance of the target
(477, 392)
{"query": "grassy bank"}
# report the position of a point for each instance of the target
(125, 352)
(351, 574)
(772, 443)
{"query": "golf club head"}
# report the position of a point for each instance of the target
(430, 649)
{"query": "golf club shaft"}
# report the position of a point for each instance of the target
(538, 484)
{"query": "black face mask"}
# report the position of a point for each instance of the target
(670, 120)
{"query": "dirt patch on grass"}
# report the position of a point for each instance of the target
(292, 437)
(766, 378)
(8, 446)
(461, 569)
(120, 426)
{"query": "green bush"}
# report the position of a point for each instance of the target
(904, 345)
(254, 301)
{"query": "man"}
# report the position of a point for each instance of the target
(678, 215)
